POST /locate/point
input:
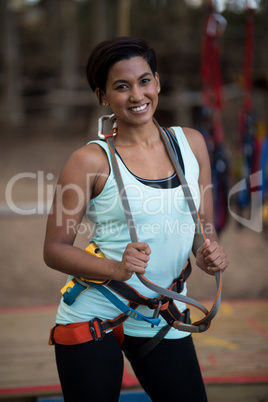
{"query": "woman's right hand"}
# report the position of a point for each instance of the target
(134, 260)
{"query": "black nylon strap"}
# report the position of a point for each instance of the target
(131, 294)
(137, 354)
(111, 324)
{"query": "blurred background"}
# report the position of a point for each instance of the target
(213, 65)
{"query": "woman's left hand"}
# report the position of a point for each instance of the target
(211, 257)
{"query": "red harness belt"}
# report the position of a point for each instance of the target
(81, 332)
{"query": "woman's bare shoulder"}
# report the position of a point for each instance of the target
(193, 135)
(90, 158)
(89, 154)
(196, 142)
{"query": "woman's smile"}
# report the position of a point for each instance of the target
(139, 108)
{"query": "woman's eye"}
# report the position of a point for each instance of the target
(121, 87)
(145, 81)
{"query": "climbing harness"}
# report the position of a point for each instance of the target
(163, 304)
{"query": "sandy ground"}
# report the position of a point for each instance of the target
(25, 279)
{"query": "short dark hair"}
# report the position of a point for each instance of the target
(109, 52)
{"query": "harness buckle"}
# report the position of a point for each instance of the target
(151, 303)
(96, 330)
(156, 311)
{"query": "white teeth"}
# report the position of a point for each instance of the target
(138, 109)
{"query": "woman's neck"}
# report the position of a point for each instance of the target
(144, 135)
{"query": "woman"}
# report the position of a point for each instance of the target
(123, 74)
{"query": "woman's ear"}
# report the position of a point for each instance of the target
(157, 82)
(101, 97)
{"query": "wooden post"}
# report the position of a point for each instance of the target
(12, 106)
(124, 18)
(68, 48)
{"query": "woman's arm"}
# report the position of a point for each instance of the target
(210, 256)
(84, 176)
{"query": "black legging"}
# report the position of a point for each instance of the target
(92, 371)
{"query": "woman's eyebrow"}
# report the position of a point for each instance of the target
(122, 81)
(144, 75)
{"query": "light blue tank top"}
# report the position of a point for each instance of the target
(162, 219)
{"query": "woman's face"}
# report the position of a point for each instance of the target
(132, 91)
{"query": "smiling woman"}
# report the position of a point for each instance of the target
(123, 74)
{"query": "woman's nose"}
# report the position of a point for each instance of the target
(136, 94)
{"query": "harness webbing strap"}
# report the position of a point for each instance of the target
(122, 191)
(137, 354)
(163, 305)
(130, 312)
(199, 326)
(184, 185)
(197, 221)
(131, 294)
